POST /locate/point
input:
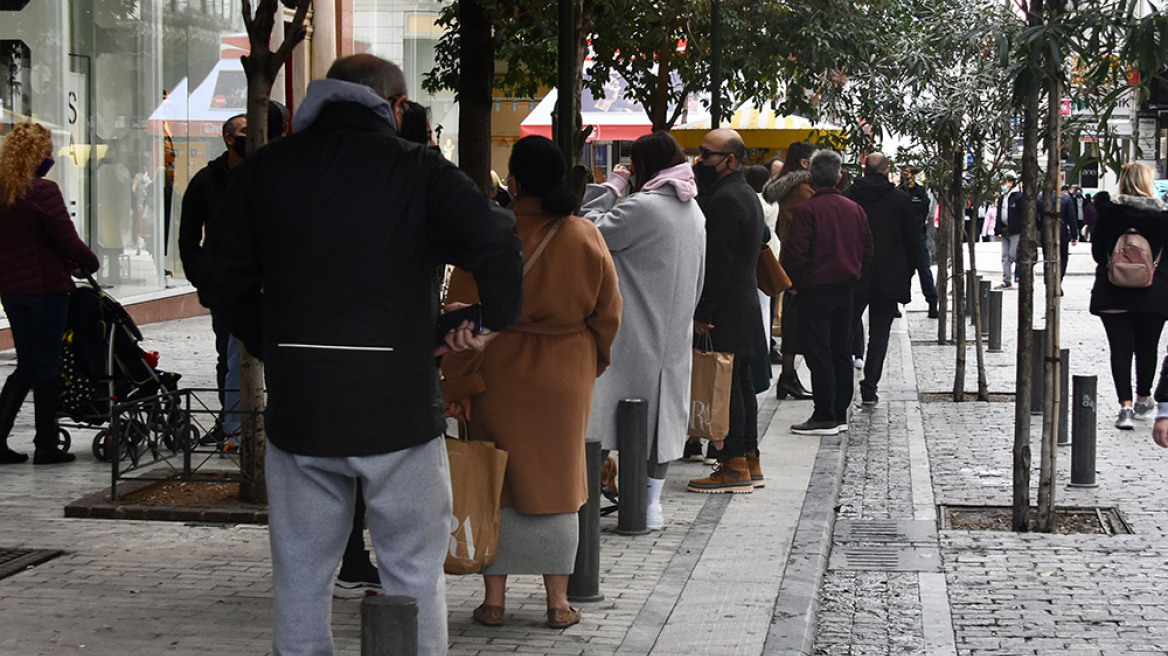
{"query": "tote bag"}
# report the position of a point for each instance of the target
(476, 483)
(709, 404)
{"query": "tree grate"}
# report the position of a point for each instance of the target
(885, 545)
(13, 561)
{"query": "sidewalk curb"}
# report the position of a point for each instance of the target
(793, 625)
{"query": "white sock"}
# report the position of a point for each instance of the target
(653, 516)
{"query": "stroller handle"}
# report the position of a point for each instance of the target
(92, 281)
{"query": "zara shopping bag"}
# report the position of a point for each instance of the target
(709, 402)
(476, 481)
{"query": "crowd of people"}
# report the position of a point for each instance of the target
(586, 297)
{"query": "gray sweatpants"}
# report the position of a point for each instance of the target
(310, 514)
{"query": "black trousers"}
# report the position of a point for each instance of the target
(881, 312)
(1128, 334)
(743, 435)
(826, 323)
(222, 338)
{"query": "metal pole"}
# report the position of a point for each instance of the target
(1037, 359)
(995, 321)
(715, 64)
(566, 84)
(1083, 432)
(584, 583)
(970, 295)
(983, 303)
(632, 430)
(389, 626)
(1064, 433)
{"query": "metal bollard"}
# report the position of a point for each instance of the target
(1037, 358)
(1083, 432)
(632, 430)
(983, 301)
(584, 583)
(995, 345)
(1064, 432)
(389, 626)
(970, 295)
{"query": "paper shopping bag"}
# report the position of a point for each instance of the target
(476, 481)
(709, 404)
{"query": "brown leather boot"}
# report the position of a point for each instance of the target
(730, 476)
(756, 477)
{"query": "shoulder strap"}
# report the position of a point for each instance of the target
(542, 245)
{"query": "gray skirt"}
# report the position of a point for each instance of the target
(536, 544)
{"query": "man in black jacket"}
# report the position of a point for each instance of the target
(920, 203)
(887, 279)
(321, 258)
(1009, 229)
(728, 311)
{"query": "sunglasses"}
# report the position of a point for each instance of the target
(704, 152)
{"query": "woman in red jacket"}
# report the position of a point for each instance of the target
(39, 249)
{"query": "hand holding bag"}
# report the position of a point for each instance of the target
(709, 404)
(476, 482)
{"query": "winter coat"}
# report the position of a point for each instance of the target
(198, 204)
(734, 235)
(892, 220)
(39, 245)
(920, 202)
(321, 258)
(1149, 216)
(531, 388)
(658, 245)
(830, 242)
(789, 191)
(1009, 222)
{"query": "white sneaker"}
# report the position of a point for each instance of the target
(1126, 419)
(654, 519)
(858, 363)
(1145, 409)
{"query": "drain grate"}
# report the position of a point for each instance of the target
(885, 558)
(878, 530)
(13, 561)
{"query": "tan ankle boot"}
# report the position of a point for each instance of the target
(756, 477)
(730, 476)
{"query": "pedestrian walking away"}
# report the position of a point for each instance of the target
(729, 312)
(39, 252)
(345, 218)
(1133, 317)
(829, 246)
(530, 393)
(886, 279)
(1009, 228)
(657, 237)
(920, 201)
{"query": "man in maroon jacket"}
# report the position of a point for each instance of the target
(825, 254)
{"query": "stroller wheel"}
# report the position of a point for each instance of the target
(64, 440)
(101, 446)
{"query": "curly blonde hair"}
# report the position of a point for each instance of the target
(23, 151)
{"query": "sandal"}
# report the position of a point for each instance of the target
(488, 615)
(562, 618)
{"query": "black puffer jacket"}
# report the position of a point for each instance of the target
(1149, 216)
(322, 256)
(893, 220)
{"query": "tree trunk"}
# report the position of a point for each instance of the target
(1026, 253)
(1052, 398)
(956, 214)
(476, 76)
(979, 311)
(261, 66)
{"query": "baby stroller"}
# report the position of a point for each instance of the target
(102, 366)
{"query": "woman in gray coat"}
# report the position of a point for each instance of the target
(657, 237)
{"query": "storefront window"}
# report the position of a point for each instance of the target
(115, 81)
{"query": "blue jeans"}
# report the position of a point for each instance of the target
(38, 323)
(925, 272)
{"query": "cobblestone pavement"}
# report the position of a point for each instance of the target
(997, 593)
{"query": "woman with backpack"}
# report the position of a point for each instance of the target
(1131, 292)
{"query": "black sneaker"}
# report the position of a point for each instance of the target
(813, 427)
(692, 452)
(869, 399)
(366, 583)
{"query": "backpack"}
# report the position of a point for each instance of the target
(1131, 263)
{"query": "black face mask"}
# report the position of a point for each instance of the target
(43, 169)
(705, 175)
(239, 145)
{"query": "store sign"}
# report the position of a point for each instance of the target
(1089, 176)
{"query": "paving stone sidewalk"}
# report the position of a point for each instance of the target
(996, 593)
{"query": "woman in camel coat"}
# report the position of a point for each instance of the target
(530, 391)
